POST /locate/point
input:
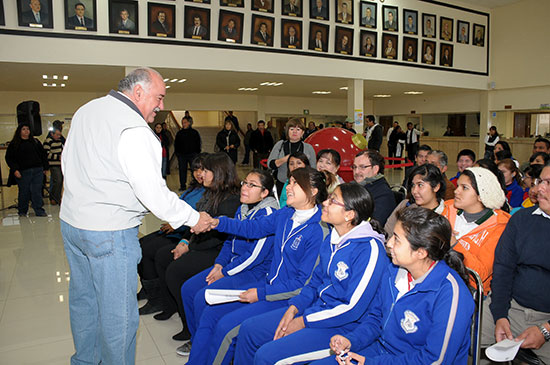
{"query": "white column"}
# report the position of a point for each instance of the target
(355, 104)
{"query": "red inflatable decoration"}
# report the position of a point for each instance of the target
(345, 142)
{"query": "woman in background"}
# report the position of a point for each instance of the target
(228, 141)
(513, 181)
(164, 142)
(296, 160)
(491, 139)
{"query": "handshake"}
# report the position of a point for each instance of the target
(205, 223)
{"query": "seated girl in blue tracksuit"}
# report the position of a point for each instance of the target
(353, 259)
(240, 262)
(298, 236)
(423, 311)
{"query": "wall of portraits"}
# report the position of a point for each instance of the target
(408, 33)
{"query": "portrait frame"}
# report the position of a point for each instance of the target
(395, 46)
(90, 13)
(314, 12)
(342, 32)
(286, 24)
(116, 7)
(256, 5)
(433, 47)
(232, 3)
(313, 29)
(190, 12)
(445, 33)
(199, 1)
(442, 48)
(285, 8)
(255, 36)
(414, 15)
(374, 40)
(364, 5)
(2, 14)
(156, 30)
(433, 20)
(26, 18)
(413, 42)
(459, 38)
(224, 33)
(386, 10)
(475, 41)
(339, 4)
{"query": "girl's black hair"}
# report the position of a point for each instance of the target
(544, 156)
(333, 154)
(300, 156)
(308, 178)
(266, 179)
(16, 140)
(225, 180)
(430, 174)
(505, 145)
(196, 164)
(503, 155)
(358, 199)
(426, 229)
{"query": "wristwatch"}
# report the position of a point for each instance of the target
(545, 333)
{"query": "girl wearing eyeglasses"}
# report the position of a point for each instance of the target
(241, 261)
(352, 261)
(298, 234)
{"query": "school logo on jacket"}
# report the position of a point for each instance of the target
(341, 273)
(296, 243)
(408, 323)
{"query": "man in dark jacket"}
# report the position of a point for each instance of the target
(368, 171)
(374, 133)
(261, 143)
(187, 146)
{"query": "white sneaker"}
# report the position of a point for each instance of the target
(185, 349)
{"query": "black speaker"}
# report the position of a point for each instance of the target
(28, 112)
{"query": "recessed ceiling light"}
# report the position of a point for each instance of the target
(173, 80)
(55, 77)
(182, 80)
(54, 84)
(62, 85)
(320, 92)
(344, 88)
(268, 83)
(44, 76)
(413, 92)
(45, 84)
(65, 77)
(248, 89)
(168, 86)
(165, 80)
(382, 96)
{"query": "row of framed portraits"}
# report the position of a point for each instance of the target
(123, 18)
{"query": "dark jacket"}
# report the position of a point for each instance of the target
(188, 141)
(223, 141)
(261, 143)
(375, 140)
(25, 155)
(384, 200)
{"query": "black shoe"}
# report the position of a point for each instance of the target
(152, 306)
(164, 315)
(142, 295)
(184, 335)
(41, 214)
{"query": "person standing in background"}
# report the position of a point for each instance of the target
(261, 143)
(53, 145)
(491, 139)
(248, 134)
(186, 146)
(411, 141)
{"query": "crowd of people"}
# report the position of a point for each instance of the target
(325, 272)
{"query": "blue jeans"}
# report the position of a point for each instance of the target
(30, 188)
(102, 294)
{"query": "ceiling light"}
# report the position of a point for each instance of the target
(413, 92)
(54, 84)
(382, 96)
(54, 77)
(248, 89)
(182, 80)
(320, 92)
(45, 84)
(267, 83)
(168, 86)
(62, 85)
(173, 80)
(44, 76)
(165, 80)
(344, 88)
(65, 77)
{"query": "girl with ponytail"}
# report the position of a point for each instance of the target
(422, 313)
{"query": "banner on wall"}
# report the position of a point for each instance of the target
(358, 117)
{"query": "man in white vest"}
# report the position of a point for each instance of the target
(112, 168)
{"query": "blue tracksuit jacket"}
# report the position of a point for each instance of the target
(430, 324)
(293, 261)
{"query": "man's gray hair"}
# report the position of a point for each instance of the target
(442, 156)
(140, 76)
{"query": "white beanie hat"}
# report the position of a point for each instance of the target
(490, 191)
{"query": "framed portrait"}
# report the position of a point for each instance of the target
(80, 15)
(344, 40)
(369, 40)
(318, 9)
(35, 13)
(479, 35)
(233, 3)
(263, 29)
(262, 5)
(200, 1)
(197, 23)
(368, 14)
(292, 7)
(429, 25)
(161, 20)
(446, 55)
(318, 37)
(123, 17)
(344, 11)
(410, 49)
(291, 34)
(463, 32)
(389, 46)
(410, 21)
(428, 52)
(230, 28)
(2, 18)
(391, 21)
(446, 29)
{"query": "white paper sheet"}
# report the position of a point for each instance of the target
(217, 296)
(504, 350)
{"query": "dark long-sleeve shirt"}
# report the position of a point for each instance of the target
(521, 269)
(28, 154)
(188, 141)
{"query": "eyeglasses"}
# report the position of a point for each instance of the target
(250, 185)
(332, 201)
(542, 182)
(360, 167)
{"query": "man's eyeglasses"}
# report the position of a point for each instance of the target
(360, 167)
(542, 182)
(250, 185)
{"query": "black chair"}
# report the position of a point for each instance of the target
(475, 330)
(399, 193)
